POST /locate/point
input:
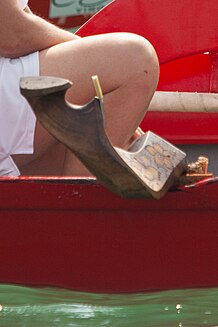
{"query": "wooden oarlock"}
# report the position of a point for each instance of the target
(150, 167)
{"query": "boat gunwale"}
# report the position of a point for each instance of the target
(64, 193)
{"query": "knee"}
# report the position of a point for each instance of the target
(142, 57)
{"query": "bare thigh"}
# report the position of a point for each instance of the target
(128, 70)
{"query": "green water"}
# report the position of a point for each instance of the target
(48, 307)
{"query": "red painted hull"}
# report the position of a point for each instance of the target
(59, 233)
(78, 235)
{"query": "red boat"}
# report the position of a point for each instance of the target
(74, 233)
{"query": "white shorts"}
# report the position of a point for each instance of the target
(17, 120)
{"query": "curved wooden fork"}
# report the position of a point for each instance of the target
(148, 169)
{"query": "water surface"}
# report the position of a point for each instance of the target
(49, 307)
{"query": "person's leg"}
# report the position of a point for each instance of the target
(128, 71)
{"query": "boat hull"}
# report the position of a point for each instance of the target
(75, 234)
(78, 235)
